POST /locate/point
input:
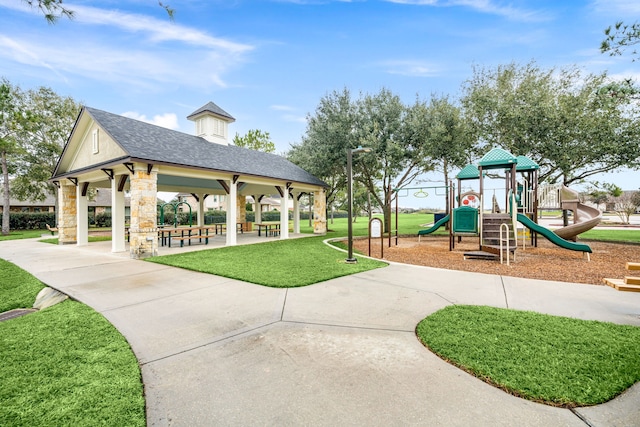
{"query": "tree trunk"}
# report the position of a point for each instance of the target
(6, 201)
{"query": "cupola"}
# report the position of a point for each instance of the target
(212, 123)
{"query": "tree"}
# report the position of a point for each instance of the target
(621, 37)
(55, 9)
(51, 119)
(398, 155)
(572, 125)
(440, 126)
(330, 131)
(12, 119)
(255, 139)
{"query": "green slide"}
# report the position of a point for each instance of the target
(551, 236)
(435, 226)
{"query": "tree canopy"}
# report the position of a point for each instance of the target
(34, 126)
(571, 124)
(255, 139)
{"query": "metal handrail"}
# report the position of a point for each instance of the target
(502, 241)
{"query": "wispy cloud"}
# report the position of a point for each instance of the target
(411, 68)
(621, 8)
(166, 120)
(148, 59)
(492, 7)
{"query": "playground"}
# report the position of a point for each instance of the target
(497, 230)
(545, 262)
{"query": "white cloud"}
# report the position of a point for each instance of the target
(411, 68)
(281, 108)
(622, 8)
(166, 120)
(132, 49)
(492, 7)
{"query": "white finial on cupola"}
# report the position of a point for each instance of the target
(212, 123)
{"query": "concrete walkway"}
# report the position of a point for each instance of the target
(216, 351)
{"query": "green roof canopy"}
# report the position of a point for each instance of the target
(469, 172)
(526, 164)
(497, 158)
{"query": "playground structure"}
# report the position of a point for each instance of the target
(498, 232)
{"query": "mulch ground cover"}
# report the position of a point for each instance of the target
(546, 262)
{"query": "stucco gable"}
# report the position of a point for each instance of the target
(89, 144)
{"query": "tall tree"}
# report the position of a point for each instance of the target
(439, 125)
(330, 131)
(398, 155)
(12, 118)
(620, 37)
(255, 139)
(51, 119)
(569, 123)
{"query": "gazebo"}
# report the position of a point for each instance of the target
(106, 150)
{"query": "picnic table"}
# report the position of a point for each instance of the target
(183, 234)
(270, 228)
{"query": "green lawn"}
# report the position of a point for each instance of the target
(280, 263)
(556, 360)
(54, 240)
(22, 234)
(65, 365)
(18, 289)
(629, 236)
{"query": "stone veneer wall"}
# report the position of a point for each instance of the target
(143, 240)
(241, 215)
(67, 219)
(319, 212)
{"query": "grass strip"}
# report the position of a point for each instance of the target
(91, 239)
(67, 365)
(280, 264)
(22, 234)
(555, 360)
(627, 236)
(18, 289)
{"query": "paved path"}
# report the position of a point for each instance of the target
(216, 351)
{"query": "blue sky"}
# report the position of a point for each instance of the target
(268, 63)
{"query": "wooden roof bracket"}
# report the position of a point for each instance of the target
(122, 182)
(224, 185)
(109, 173)
(85, 189)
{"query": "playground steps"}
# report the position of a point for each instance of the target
(629, 283)
(491, 224)
(481, 255)
(495, 249)
(633, 266)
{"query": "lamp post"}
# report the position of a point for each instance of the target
(350, 258)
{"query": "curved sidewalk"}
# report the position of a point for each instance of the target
(216, 351)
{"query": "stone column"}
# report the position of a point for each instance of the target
(296, 213)
(319, 212)
(117, 217)
(143, 232)
(284, 215)
(67, 221)
(232, 213)
(82, 215)
(241, 205)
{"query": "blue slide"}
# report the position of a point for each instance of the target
(435, 226)
(551, 236)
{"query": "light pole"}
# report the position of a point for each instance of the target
(350, 258)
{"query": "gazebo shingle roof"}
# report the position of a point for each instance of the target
(146, 142)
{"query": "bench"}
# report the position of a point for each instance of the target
(53, 230)
(189, 238)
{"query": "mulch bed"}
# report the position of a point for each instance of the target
(546, 262)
